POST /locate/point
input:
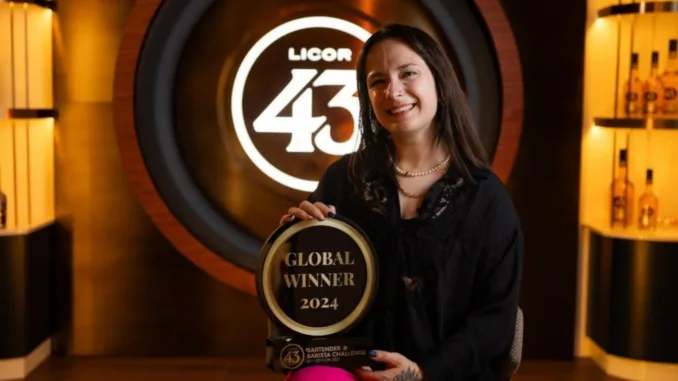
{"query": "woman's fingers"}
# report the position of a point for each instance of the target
(318, 210)
(325, 209)
(299, 213)
(308, 211)
(287, 218)
(312, 210)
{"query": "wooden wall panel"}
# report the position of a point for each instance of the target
(544, 183)
(121, 288)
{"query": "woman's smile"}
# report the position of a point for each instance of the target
(402, 110)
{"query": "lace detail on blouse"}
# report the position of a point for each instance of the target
(446, 196)
(376, 196)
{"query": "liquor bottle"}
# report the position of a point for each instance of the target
(3, 209)
(670, 81)
(648, 205)
(652, 88)
(622, 194)
(633, 90)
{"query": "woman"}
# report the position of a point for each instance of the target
(447, 237)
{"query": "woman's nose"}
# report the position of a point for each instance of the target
(394, 89)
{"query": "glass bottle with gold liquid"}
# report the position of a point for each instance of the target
(3, 209)
(632, 104)
(622, 194)
(648, 205)
(670, 81)
(652, 89)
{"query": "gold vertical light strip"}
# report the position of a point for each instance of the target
(13, 92)
(28, 106)
(26, 114)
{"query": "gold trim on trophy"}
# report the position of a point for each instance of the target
(273, 258)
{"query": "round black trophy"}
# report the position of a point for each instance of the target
(316, 280)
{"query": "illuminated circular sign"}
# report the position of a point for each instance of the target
(291, 112)
(175, 94)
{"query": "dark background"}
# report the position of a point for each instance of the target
(544, 184)
(124, 290)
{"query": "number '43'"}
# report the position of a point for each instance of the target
(302, 124)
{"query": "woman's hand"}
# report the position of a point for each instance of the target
(399, 368)
(308, 211)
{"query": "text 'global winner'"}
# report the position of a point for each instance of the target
(314, 259)
(322, 285)
(321, 276)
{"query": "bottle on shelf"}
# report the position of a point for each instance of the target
(622, 194)
(670, 81)
(652, 88)
(633, 90)
(648, 205)
(3, 209)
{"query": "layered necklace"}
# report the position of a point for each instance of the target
(404, 173)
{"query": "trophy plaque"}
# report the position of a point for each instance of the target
(316, 281)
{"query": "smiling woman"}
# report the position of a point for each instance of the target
(175, 120)
(450, 255)
(412, 97)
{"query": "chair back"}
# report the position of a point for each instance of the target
(511, 363)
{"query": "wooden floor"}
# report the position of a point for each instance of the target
(114, 369)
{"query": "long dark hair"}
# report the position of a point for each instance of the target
(453, 120)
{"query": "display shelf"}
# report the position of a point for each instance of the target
(643, 7)
(27, 171)
(629, 138)
(25, 230)
(632, 67)
(667, 231)
(27, 115)
(13, 113)
(645, 149)
(632, 302)
(27, 123)
(48, 4)
(657, 123)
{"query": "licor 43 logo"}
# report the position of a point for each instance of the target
(308, 132)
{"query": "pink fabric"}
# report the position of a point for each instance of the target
(320, 373)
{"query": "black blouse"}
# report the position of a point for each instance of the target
(448, 279)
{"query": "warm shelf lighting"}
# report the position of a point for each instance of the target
(49, 4)
(26, 112)
(641, 7)
(25, 57)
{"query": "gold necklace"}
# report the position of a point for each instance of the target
(408, 194)
(422, 173)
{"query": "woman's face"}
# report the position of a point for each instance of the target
(401, 87)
